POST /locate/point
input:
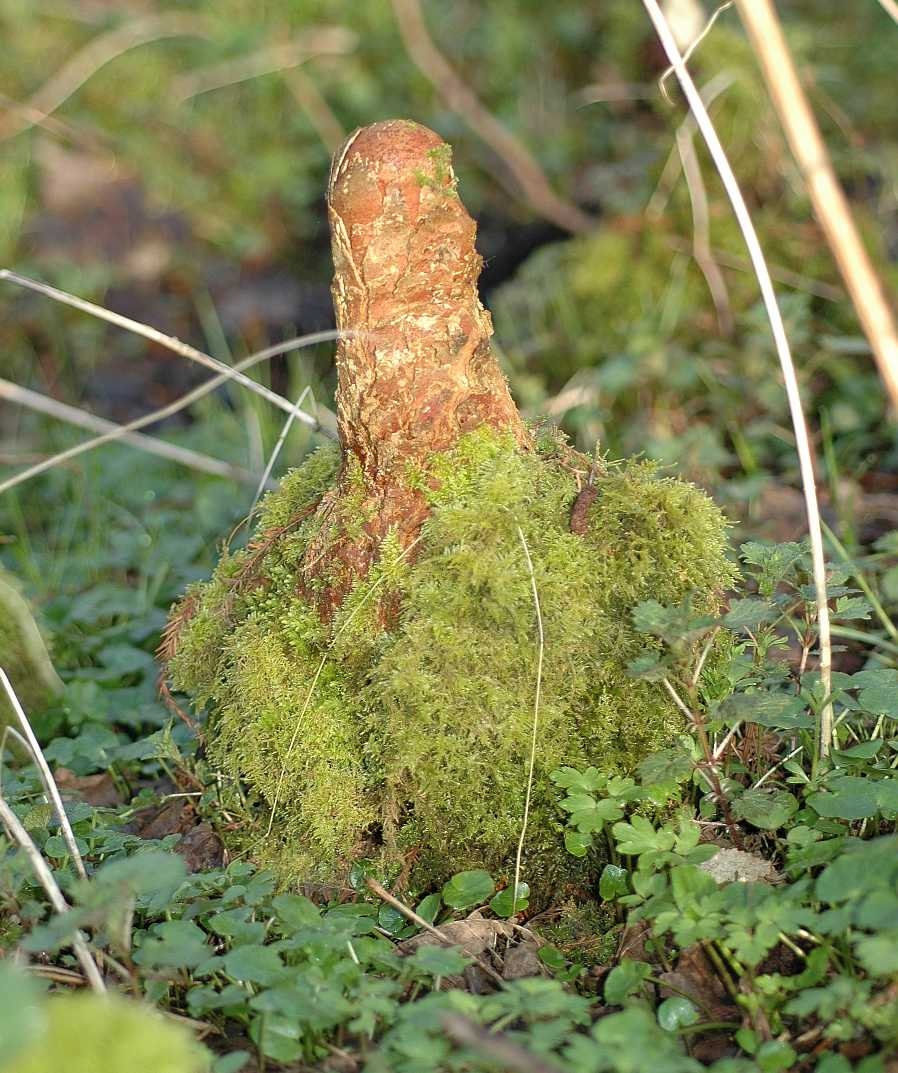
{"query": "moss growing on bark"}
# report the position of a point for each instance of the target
(410, 741)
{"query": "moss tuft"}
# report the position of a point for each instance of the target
(89, 1033)
(412, 743)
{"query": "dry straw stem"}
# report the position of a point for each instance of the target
(271, 59)
(174, 407)
(458, 95)
(20, 836)
(410, 914)
(500, 1051)
(264, 479)
(185, 350)
(802, 440)
(890, 7)
(536, 699)
(701, 231)
(33, 400)
(830, 205)
(96, 54)
(687, 55)
(46, 774)
(318, 112)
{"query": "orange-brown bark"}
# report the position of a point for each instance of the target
(415, 371)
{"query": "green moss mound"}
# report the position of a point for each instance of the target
(23, 655)
(102, 1034)
(413, 743)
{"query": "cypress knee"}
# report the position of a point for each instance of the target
(415, 369)
(368, 663)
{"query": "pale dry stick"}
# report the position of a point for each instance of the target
(318, 112)
(299, 722)
(827, 197)
(185, 350)
(410, 914)
(533, 739)
(95, 55)
(34, 400)
(701, 232)
(172, 408)
(271, 59)
(802, 440)
(500, 1051)
(687, 55)
(890, 7)
(458, 95)
(20, 836)
(263, 480)
(46, 775)
(59, 129)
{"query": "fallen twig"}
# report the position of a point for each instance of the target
(410, 914)
(498, 1048)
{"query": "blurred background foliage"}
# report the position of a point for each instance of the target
(179, 179)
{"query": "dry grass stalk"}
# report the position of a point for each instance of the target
(536, 699)
(802, 439)
(890, 7)
(33, 400)
(45, 773)
(176, 346)
(687, 55)
(826, 194)
(410, 914)
(96, 54)
(458, 95)
(271, 59)
(701, 231)
(180, 404)
(273, 457)
(20, 836)
(318, 112)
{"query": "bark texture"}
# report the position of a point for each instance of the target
(416, 370)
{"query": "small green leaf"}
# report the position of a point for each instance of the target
(432, 960)
(748, 613)
(848, 797)
(390, 919)
(577, 843)
(429, 907)
(502, 906)
(613, 882)
(625, 980)
(783, 711)
(669, 767)
(467, 889)
(765, 807)
(676, 1012)
(255, 965)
